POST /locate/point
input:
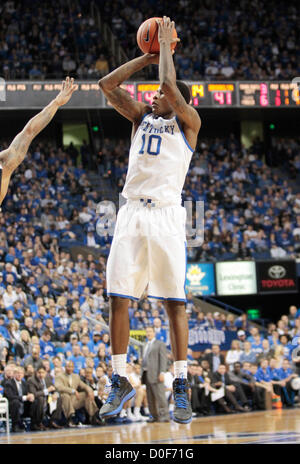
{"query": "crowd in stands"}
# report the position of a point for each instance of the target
(52, 40)
(49, 41)
(242, 40)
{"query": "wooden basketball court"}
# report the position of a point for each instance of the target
(275, 426)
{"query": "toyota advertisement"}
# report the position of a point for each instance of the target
(276, 276)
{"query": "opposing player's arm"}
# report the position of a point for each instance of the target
(187, 115)
(16, 152)
(120, 98)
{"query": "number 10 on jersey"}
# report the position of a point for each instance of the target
(153, 143)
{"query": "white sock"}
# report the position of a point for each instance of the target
(136, 410)
(171, 407)
(146, 410)
(180, 369)
(119, 364)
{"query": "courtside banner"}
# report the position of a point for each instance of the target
(200, 278)
(236, 278)
(276, 276)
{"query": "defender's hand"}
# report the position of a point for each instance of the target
(68, 87)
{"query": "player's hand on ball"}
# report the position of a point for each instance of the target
(165, 31)
(153, 58)
(68, 87)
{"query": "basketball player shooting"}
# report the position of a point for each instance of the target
(164, 137)
(13, 156)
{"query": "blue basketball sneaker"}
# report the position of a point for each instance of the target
(121, 391)
(182, 407)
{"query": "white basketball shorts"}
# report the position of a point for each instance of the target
(148, 252)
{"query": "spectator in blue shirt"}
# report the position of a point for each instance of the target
(287, 346)
(96, 340)
(47, 348)
(264, 376)
(61, 322)
(77, 359)
(85, 341)
(256, 344)
(248, 355)
(253, 332)
(3, 329)
(283, 376)
(68, 348)
(160, 332)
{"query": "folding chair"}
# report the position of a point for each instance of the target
(4, 415)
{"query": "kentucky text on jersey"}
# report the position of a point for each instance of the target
(159, 159)
(148, 127)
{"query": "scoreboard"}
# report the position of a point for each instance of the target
(235, 94)
(232, 94)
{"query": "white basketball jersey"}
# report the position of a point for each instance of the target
(159, 159)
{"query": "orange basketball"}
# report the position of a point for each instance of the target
(147, 36)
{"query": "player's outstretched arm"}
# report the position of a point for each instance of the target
(120, 98)
(16, 152)
(187, 115)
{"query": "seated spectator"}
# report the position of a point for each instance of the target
(75, 394)
(34, 359)
(264, 380)
(256, 344)
(77, 359)
(200, 390)
(215, 358)
(245, 380)
(160, 332)
(230, 323)
(282, 378)
(29, 371)
(233, 355)
(8, 373)
(22, 403)
(47, 348)
(93, 382)
(266, 352)
(23, 347)
(134, 376)
(232, 393)
(287, 347)
(41, 386)
(241, 334)
(102, 65)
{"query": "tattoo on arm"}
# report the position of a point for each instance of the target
(125, 105)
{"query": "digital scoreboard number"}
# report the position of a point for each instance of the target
(202, 94)
(284, 94)
(222, 94)
(269, 94)
(145, 92)
(254, 94)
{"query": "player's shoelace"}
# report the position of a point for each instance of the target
(180, 395)
(115, 387)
